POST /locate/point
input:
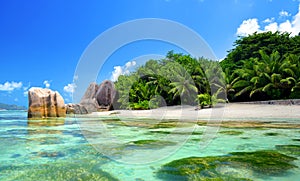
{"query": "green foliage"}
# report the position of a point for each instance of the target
(177, 79)
(206, 168)
(263, 66)
(249, 47)
(204, 100)
(140, 105)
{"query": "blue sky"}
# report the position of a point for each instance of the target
(41, 42)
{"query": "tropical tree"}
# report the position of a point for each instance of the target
(249, 47)
(176, 79)
(270, 77)
(182, 84)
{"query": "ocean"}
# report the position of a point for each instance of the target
(109, 148)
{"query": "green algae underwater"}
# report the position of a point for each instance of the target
(262, 163)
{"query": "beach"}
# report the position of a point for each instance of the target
(230, 111)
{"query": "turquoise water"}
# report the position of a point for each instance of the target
(102, 149)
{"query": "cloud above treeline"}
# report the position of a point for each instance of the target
(252, 25)
(122, 70)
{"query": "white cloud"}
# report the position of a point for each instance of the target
(116, 73)
(46, 83)
(130, 64)
(284, 14)
(70, 88)
(269, 20)
(10, 86)
(285, 27)
(291, 25)
(16, 99)
(118, 70)
(296, 22)
(248, 26)
(272, 27)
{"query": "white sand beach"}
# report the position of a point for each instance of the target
(234, 111)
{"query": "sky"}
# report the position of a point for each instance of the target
(42, 42)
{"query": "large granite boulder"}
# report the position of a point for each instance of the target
(89, 98)
(44, 103)
(75, 109)
(99, 97)
(105, 95)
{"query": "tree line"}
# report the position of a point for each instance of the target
(261, 66)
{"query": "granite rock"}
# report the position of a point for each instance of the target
(105, 95)
(75, 109)
(44, 103)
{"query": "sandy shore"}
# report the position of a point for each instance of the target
(234, 111)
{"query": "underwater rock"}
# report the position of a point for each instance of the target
(105, 95)
(44, 103)
(75, 109)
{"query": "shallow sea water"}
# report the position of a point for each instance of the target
(103, 149)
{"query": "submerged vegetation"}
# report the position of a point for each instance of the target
(289, 149)
(261, 66)
(210, 168)
(150, 144)
(59, 171)
(231, 132)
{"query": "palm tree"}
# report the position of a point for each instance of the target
(295, 60)
(123, 86)
(242, 84)
(182, 85)
(272, 75)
